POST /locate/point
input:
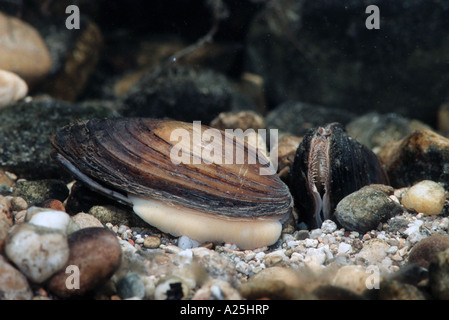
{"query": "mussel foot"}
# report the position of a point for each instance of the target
(204, 227)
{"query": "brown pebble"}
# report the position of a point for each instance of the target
(18, 204)
(53, 204)
(13, 284)
(6, 210)
(4, 229)
(19, 217)
(422, 155)
(85, 220)
(97, 254)
(238, 120)
(4, 179)
(152, 242)
(427, 249)
(23, 50)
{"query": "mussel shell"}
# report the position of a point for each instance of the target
(132, 156)
(352, 165)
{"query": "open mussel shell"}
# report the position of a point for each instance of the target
(328, 166)
(137, 161)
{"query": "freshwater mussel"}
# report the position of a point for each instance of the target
(329, 165)
(132, 160)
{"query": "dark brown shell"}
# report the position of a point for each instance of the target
(132, 156)
(346, 166)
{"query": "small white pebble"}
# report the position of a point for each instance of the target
(311, 243)
(328, 226)
(187, 253)
(185, 242)
(444, 224)
(344, 248)
(315, 233)
(392, 250)
(260, 255)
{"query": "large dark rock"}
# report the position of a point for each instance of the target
(182, 93)
(296, 117)
(320, 51)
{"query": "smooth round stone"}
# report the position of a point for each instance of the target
(152, 242)
(426, 197)
(96, 253)
(37, 251)
(185, 242)
(50, 218)
(328, 226)
(364, 209)
(13, 284)
(23, 50)
(351, 277)
(85, 220)
(12, 88)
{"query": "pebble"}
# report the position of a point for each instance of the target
(96, 253)
(426, 196)
(328, 226)
(50, 219)
(439, 276)
(74, 56)
(53, 204)
(23, 50)
(376, 130)
(364, 209)
(352, 277)
(296, 117)
(37, 251)
(427, 249)
(185, 242)
(130, 286)
(18, 204)
(111, 214)
(152, 242)
(6, 211)
(85, 220)
(344, 248)
(179, 92)
(4, 229)
(239, 120)
(12, 88)
(13, 284)
(373, 251)
(422, 155)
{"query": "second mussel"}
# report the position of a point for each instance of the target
(329, 165)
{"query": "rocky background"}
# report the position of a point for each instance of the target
(289, 65)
